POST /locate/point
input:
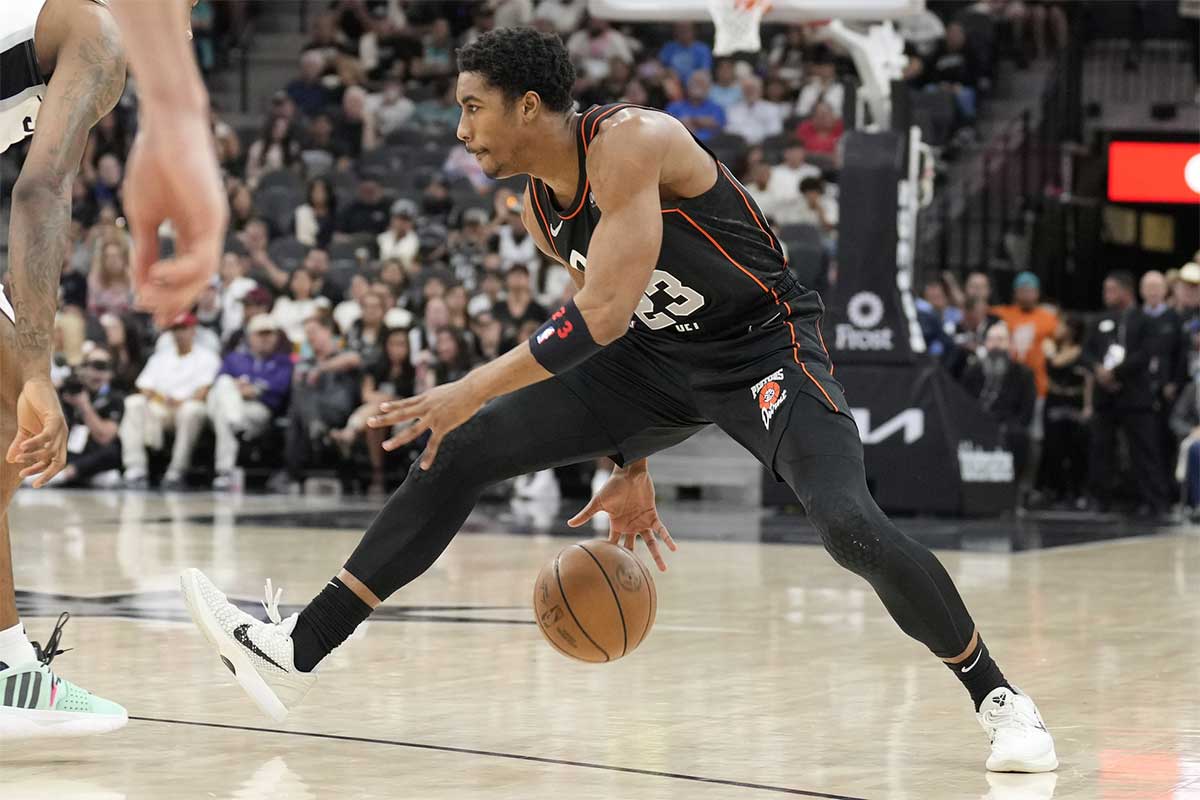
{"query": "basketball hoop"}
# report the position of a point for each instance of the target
(737, 24)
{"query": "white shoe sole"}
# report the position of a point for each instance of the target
(27, 723)
(231, 652)
(1045, 763)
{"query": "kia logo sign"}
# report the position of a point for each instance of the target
(910, 422)
(1154, 172)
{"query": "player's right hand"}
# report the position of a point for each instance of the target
(41, 441)
(173, 175)
(628, 499)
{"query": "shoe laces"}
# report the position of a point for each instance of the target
(271, 597)
(1009, 715)
(47, 654)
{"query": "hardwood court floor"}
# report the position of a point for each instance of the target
(771, 672)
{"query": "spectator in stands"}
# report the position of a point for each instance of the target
(938, 318)
(1005, 391)
(753, 118)
(726, 90)
(276, 149)
(201, 26)
(515, 246)
(489, 292)
(608, 90)
(758, 183)
(819, 209)
(390, 110)
(316, 261)
(453, 357)
(396, 277)
(234, 288)
(291, 310)
(107, 188)
(400, 241)
(1117, 353)
(821, 132)
(327, 385)
(1188, 309)
(354, 124)
(392, 377)
(241, 207)
(821, 86)
(109, 288)
(1063, 472)
(422, 338)
(349, 311)
(440, 111)
(326, 40)
(171, 393)
(594, 48)
(323, 138)
(518, 305)
(786, 177)
(437, 52)
(123, 341)
(564, 16)
(1165, 346)
(969, 336)
(250, 391)
(698, 113)
(787, 55)
(923, 32)
(308, 91)
(1185, 424)
(93, 402)
(365, 335)
(1045, 14)
(684, 54)
(263, 269)
(1029, 325)
(488, 336)
(952, 68)
(316, 218)
(369, 213)
(979, 286)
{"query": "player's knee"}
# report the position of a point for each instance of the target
(849, 530)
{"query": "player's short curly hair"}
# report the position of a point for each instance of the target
(520, 60)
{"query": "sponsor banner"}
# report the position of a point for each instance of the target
(868, 301)
(928, 447)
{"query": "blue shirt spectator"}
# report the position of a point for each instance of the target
(684, 54)
(698, 112)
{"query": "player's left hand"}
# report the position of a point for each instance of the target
(439, 411)
(41, 440)
(172, 175)
(628, 499)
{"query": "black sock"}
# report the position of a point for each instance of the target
(325, 623)
(979, 673)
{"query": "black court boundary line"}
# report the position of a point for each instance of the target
(511, 756)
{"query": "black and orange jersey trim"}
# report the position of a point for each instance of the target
(722, 288)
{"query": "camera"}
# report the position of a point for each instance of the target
(72, 385)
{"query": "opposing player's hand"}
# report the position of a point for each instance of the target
(439, 411)
(628, 499)
(172, 174)
(41, 441)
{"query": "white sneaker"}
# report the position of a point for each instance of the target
(1020, 741)
(259, 654)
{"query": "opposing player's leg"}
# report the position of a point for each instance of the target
(34, 701)
(544, 425)
(796, 420)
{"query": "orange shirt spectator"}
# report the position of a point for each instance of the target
(1030, 325)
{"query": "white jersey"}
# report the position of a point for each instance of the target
(21, 84)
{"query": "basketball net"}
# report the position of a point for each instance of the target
(737, 24)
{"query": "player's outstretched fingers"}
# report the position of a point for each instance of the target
(431, 451)
(665, 535)
(652, 546)
(630, 541)
(409, 434)
(34, 469)
(586, 513)
(56, 466)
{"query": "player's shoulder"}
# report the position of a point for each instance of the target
(633, 128)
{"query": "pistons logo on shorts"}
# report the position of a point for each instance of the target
(770, 396)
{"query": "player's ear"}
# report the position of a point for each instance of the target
(531, 103)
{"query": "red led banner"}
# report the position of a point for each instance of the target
(1154, 172)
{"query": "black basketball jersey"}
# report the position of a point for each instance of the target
(721, 275)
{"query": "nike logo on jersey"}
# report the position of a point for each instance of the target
(978, 656)
(239, 634)
(554, 230)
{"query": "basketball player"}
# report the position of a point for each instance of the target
(686, 315)
(63, 68)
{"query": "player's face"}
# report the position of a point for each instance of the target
(488, 126)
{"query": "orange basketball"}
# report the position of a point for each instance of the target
(594, 601)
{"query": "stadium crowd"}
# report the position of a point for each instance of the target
(369, 258)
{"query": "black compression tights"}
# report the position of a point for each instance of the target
(540, 426)
(911, 582)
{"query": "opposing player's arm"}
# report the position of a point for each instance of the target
(539, 239)
(88, 80)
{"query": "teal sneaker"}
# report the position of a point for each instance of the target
(35, 703)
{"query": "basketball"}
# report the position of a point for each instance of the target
(595, 601)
